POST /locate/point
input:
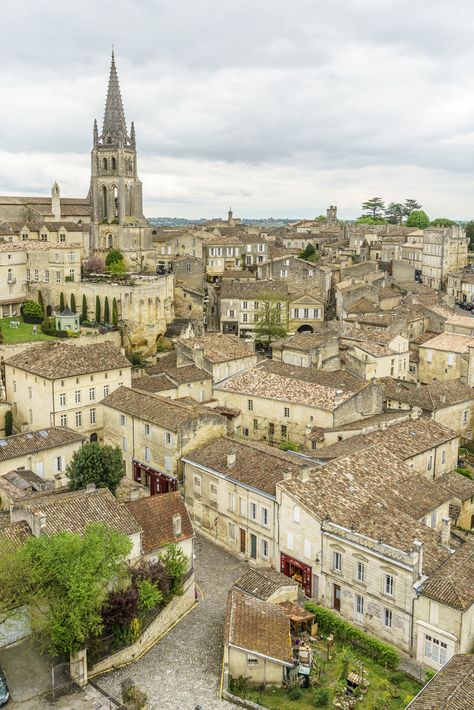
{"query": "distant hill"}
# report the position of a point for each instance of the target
(183, 222)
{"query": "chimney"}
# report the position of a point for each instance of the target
(90, 488)
(303, 474)
(134, 494)
(231, 458)
(287, 474)
(177, 528)
(419, 549)
(418, 383)
(446, 531)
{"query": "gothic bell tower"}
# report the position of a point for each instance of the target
(115, 191)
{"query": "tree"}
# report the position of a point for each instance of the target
(442, 222)
(84, 307)
(8, 422)
(106, 310)
(40, 300)
(113, 256)
(114, 312)
(309, 253)
(175, 562)
(94, 265)
(419, 219)
(33, 312)
(62, 302)
(374, 207)
(101, 465)
(371, 220)
(117, 268)
(73, 303)
(409, 206)
(64, 580)
(394, 213)
(97, 309)
(470, 234)
(269, 315)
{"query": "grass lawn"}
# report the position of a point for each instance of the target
(388, 690)
(22, 334)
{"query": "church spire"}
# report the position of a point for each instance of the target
(114, 117)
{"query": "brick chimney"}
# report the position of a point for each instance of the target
(177, 525)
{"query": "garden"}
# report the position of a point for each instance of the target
(348, 669)
(21, 332)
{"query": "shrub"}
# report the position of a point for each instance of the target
(153, 572)
(331, 623)
(320, 697)
(120, 608)
(33, 312)
(113, 257)
(135, 629)
(106, 310)
(135, 359)
(117, 268)
(62, 302)
(73, 303)
(133, 697)
(464, 472)
(114, 312)
(294, 693)
(175, 562)
(97, 309)
(429, 674)
(149, 596)
(288, 446)
(84, 308)
(93, 265)
(8, 422)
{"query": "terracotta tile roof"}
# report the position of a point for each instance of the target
(405, 439)
(458, 485)
(258, 627)
(54, 360)
(452, 688)
(41, 440)
(187, 373)
(449, 342)
(253, 291)
(34, 245)
(362, 305)
(155, 517)
(218, 347)
(168, 360)
(436, 395)
(166, 413)
(464, 321)
(257, 465)
(451, 583)
(263, 582)
(298, 385)
(376, 422)
(383, 502)
(303, 342)
(15, 533)
(152, 383)
(74, 510)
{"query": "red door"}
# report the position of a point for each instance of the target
(298, 571)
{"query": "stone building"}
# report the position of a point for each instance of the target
(46, 452)
(218, 354)
(446, 357)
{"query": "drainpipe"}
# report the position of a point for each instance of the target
(54, 406)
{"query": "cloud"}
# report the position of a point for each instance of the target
(279, 108)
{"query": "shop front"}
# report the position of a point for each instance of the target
(298, 571)
(157, 481)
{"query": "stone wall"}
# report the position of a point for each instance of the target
(168, 616)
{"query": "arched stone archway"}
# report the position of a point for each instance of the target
(305, 329)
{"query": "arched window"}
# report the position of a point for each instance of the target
(110, 241)
(104, 163)
(103, 201)
(130, 201)
(116, 202)
(114, 164)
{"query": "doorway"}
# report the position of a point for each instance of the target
(336, 597)
(243, 546)
(253, 546)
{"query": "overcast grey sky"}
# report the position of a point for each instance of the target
(279, 107)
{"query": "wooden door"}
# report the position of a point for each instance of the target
(336, 600)
(243, 546)
(253, 546)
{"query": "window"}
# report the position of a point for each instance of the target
(245, 305)
(245, 317)
(359, 608)
(231, 531)
(429, 356)
(255, 424)
(245, 431)
(146, 429)
(388, 584)
(231, 314)
(433, 519)
(284, 431)
(123, 420)
(443, 456)
(213, 493)
(58, 463)
(92, 417)
(78, 418)
(30, 395)
(124, 443)
(265, 516)
(307, 549)
(197, 484)
(14, 385)
(264, 549)
(28, 275)
(250, 405)
(252, 662)
(62, 419)
(450, 359)
(430, 463)
(435, 649)
(296, 514)
(253, 510)
(77, 396)
(337, 561)
(36, 275)
(62, 237)
(231, 499)
(271, 430)
(387, 618)
(360, 571)
(62, 398)
(106, 390)
(464, 417)
(58, 277)
(168, 437)
(91, 393)
(286, 412)
(289, 540)
(147, 453)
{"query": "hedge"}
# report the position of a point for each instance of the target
(331, 623)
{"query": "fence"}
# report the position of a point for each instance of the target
(62, 683)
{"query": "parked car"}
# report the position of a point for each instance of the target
(468, 306)
(4, 693)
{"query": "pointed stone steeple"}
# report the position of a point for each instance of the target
(96, 133)
(114, 125)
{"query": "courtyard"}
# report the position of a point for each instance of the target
(21, 334)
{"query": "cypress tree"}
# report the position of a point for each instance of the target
(97, 309)
(61, 302)
(84, 307)
(8, 423)
(73, 303)
(40, 300)
(106, 310)
(114, 312)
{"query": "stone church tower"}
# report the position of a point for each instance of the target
(115, 192)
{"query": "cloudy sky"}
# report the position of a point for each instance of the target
(279, 107)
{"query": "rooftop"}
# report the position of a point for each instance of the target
(23, 444)
(263, 582)
(436, 395)
(458, 485)
(258, 290)
(449, 342)
(452, 688)
(218, 347)
(451, 583)
(257, 626)
(155, 517)
(303, 341)
(55, 360)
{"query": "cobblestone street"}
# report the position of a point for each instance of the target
(183, 669)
